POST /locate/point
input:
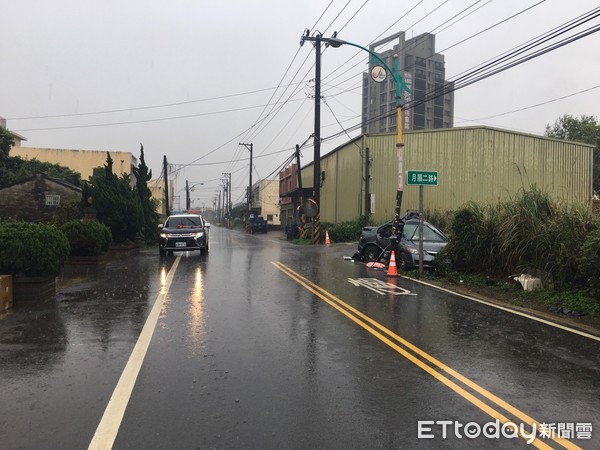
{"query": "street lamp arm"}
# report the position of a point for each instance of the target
(335, 43)
(395, 74)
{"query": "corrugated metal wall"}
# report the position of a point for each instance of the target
(342, 192)
(474, 164)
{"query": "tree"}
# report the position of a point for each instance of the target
(6, 142)
(150, 216)
(116, 203)
(586, 129)
(14, 169)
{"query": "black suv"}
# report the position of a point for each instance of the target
(183, 232)
(374, 243)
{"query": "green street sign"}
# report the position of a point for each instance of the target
(421, 178)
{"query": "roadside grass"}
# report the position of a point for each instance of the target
(573, 300)
(511, 292)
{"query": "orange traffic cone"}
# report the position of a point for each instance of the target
(392, 270)
(327, 241)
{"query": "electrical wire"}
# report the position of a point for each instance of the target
(531, 106)
(139, 108)
(480, 73)
(451, 88)
(187, 116)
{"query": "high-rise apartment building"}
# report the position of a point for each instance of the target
(431, 103)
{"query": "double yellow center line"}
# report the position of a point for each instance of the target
(428, 363)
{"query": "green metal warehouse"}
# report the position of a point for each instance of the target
(479, 164)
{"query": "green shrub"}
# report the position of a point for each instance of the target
(87, 237)
(343, 231)
(32, 249)
(66, 212)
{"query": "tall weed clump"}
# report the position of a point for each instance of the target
(528, 233)
(473, 240)
(525, 241)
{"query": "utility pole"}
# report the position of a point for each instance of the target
(227, 197)
(224, 181)
(249, 196)
(317, 39)
(299, 172)
(230, 205)
(400, 86)
(219, 210)
(187, 196)
(166, 174)
(316, 232)
(367, 182)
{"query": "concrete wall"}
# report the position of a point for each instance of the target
(265, 197)
(82, 161)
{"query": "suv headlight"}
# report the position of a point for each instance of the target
(200, 234)
(413, 250)
(163, 235)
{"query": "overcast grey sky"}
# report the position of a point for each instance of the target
(191, 79)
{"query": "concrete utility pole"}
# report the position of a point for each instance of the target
(317, 39)
(400, 86)
(187, 196)
(299, 173)
(166, 174)
(220, 210)
(367, 182)
(230, 204)
(227, 197)
(249, 196)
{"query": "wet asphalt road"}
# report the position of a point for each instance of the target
(263, 344)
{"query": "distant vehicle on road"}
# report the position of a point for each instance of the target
(374, 243)
(258, 225)
(183, 232)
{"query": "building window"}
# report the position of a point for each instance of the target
(269, 217)
(52, 200)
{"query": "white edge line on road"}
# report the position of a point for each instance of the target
(107, 430)
(510, 310)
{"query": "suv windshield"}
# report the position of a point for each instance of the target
(183, 222)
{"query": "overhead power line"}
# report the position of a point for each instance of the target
(140, 108)
(499, 65)
(532, 106)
